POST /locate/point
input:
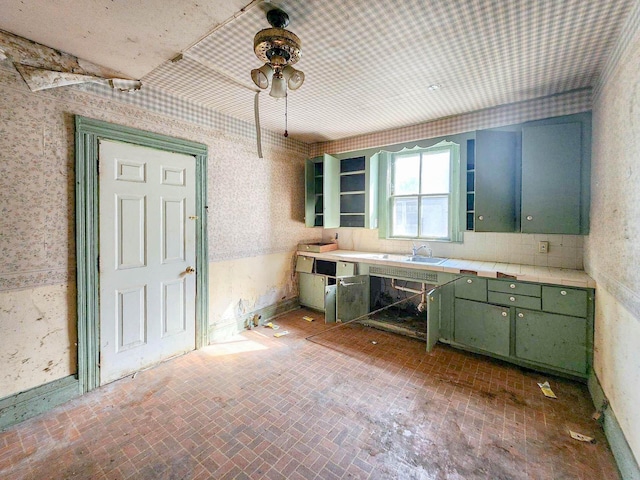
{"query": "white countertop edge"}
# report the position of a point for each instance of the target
(525, 273)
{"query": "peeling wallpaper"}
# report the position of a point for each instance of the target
(256, 208)
(612, 250)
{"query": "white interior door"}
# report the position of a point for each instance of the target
(147, 257)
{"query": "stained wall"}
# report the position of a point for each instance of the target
(612, 251)
(256, 211)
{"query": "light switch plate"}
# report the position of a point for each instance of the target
(543, 247)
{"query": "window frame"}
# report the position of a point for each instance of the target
(453, 220)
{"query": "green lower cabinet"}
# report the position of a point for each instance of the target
(352, 298)
(482, 326)
(312, 290)
(557, 341)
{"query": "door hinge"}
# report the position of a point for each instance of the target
(98, 263)
(98, 166)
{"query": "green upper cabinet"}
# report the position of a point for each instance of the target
(551, 178)
(341, 192)
(495, 181)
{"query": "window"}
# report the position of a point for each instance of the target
(421, 192)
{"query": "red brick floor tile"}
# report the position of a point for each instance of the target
(337, 407)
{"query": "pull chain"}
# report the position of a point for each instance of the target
(286, 112)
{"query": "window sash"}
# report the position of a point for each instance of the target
(395, 229)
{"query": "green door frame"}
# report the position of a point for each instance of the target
(88, 134)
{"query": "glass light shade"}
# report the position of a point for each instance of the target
(278, 87)
(294, 78)
(262, 76)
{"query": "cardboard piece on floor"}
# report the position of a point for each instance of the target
(581, 438)
(308, 319)
(546, 390)
(272, 325)
(280, 334)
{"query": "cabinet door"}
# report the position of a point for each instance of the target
(312, 290)
(495, 181)
(433, 318)
(483, 326)
(549, 339)
(551, 178)
(331, 191)
(352, 299)
(313, 197)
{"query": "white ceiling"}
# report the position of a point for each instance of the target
(368, 63)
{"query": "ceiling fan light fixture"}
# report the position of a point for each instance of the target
(262, 76)
(278, 87)
(294, 77)
(279, 49)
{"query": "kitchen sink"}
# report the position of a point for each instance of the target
(426, 260)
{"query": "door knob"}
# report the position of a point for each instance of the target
(190, 270)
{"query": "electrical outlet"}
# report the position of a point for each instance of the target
(543, 247)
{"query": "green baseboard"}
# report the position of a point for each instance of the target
(218, 331)
(21, 406)
(626, 460)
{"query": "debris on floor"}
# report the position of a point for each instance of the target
(582, 438)
(272, 325)
(546, 390)
(281, 334)
(374, 342)
(308, 319)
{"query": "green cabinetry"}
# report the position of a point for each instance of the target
(532, 177)
(540, 326)
(551, 178)
(341, 192)
(482, 326)
(557, 341)
(495, 181)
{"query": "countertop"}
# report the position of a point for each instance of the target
(525, 273)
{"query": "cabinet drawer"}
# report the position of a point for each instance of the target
(549, 339)
(566, 301)
(345, 269)
(472, 288)
(514, 300)
(527, 289)
(304, 264)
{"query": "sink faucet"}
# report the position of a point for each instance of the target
(415, 249)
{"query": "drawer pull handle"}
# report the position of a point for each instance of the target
(513, 285)
(529, 217)
(521, 315)
(480, 217)
(513, 299)
(504, 314)
(563, 292)
(469, 281)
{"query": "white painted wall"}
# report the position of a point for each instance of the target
(612, 250)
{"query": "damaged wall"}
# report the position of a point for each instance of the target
(256, 210)
(612, 250)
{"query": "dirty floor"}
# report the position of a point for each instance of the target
(342, 408)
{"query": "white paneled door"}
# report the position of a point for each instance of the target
(147, 257)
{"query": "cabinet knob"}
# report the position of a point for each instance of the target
(563, 292)
(513, 299)
(469, 280)
(480, 217)
(513, 285)
(529, 217)
(504, 314)
(521, 315)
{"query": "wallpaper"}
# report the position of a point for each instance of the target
(256, 206)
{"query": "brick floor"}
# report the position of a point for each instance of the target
(340, 407)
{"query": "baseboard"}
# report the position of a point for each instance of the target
(217, 332)
(627, 463)
(21, 406)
